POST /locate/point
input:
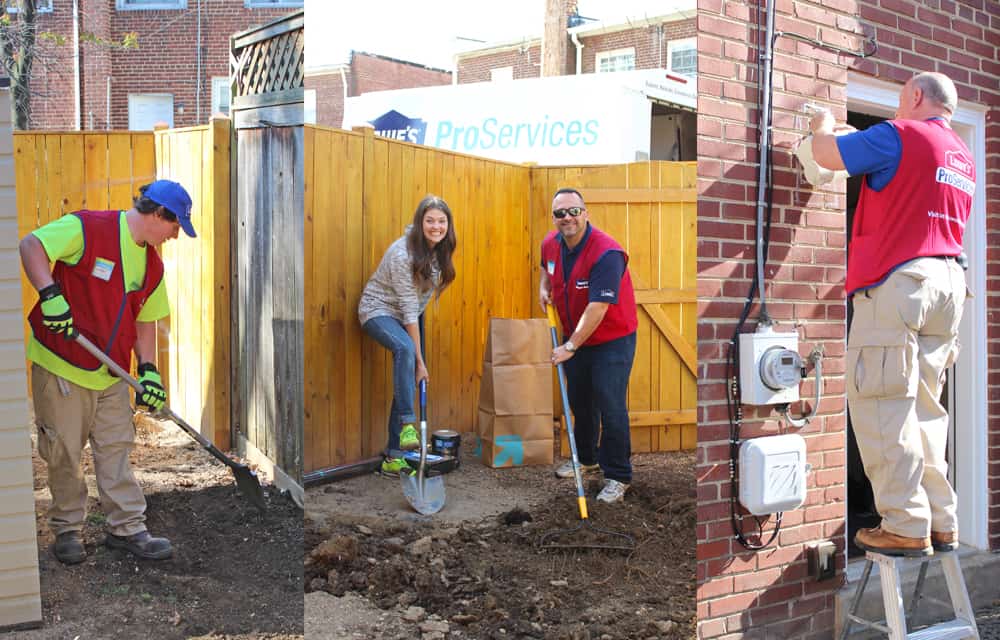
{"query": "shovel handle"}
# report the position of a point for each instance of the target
(423, 399)
(132, 382)
(551, 312)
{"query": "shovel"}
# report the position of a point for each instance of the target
(246, 479)
(426, 495)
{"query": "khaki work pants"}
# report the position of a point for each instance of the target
(67, 417)
(903, 338)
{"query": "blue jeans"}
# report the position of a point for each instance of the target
(389, 333)
(597, 381)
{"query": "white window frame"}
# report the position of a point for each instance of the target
(39, 9)
(276, 4)
(126, 5)
(173, 107)
(969, 410)
(501, 74)
(220, 85)
(614, 53)
(686, 43)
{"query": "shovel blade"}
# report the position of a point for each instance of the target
(249, 485)
(425, 497)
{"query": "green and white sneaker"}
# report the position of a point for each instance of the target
(395, 467)
(409, 439)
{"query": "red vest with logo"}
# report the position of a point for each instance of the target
(923, 209)
(101, 309)
(570, 301)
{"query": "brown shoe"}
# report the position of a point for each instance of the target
(944, 540)
(889, 544)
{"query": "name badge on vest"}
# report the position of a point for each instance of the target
(551, 267)
(103, 269)
(582, 284)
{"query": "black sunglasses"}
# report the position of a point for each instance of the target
(572, 211)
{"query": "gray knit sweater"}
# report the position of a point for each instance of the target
(391, 290)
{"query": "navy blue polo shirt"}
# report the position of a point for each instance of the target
(605, 276)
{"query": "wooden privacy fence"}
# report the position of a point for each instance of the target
(61, 172)
(361, 192)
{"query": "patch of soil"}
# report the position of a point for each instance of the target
(235, 574)
(485, 577)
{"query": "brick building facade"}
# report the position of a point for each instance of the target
(166, 68)
(642, 47)
(364, 72)
(768, 594)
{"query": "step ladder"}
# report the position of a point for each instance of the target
(961, 628)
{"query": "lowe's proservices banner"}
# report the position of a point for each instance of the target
(585, 119)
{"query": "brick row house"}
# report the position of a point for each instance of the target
(771, 593)
(179, 74)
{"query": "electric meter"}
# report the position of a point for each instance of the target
(780, 368)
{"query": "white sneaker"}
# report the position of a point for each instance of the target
(613, 491)
(566, 470)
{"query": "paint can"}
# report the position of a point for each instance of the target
(445, 442)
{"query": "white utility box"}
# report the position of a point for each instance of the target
(770, 367)
(773, 473)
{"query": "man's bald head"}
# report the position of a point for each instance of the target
(927, 95)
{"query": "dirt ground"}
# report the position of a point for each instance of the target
(377, 570)
(236, 574)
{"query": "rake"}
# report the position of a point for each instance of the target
(595, 537)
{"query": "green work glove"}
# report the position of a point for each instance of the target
(153, 395)
(55, 311)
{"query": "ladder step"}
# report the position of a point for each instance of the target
(952, 630)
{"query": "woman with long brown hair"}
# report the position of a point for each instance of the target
(415, 268)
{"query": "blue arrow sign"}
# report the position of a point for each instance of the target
(511, 450)
(479, 448)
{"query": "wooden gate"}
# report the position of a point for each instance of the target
(268, 112)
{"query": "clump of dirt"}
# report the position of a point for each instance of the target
(489, 579)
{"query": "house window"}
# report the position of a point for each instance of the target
(147, 109)
(617, 60)
(501, 73)
(128, 5)
(220, 95)
(683, 56)
(265, 4)
(41, 6)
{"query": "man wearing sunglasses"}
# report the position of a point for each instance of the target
(106, 284)
(585, 277)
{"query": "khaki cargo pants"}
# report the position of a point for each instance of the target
(903, 338)
(65, 424)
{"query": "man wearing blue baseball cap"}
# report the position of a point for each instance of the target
(107, 284)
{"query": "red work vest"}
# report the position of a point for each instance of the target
(620, 319)
(923, 209)
(101, 309)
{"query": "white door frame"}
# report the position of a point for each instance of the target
(969, 410)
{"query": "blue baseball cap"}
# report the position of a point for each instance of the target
(172, 196)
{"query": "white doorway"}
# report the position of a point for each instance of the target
(968, 384)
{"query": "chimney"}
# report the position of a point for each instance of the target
(555, 40)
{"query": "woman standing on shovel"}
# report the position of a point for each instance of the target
(414, 268)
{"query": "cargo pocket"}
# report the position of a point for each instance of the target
(880, 364)
(48, 440)
(956, 348)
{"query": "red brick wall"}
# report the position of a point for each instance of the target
(769, 592)
(366, 73)
(526, 64)
(329, 88)
(649, 42)
(166, 61)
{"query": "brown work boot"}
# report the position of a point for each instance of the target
(889, 544)
(944, 540)
(142, 545)
(68, 548)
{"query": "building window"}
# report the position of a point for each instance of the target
(220, 95)
(683, 56)
(617, 60)
(501, 73)
(128, 5)
(265, 4)
(145, 110)
(41, 6)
